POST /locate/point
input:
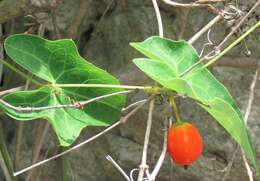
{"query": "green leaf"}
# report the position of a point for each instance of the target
(58, 62)
(168, 59)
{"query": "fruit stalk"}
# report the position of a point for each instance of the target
(175, 109)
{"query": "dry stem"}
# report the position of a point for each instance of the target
(143, 166)
(122, 120)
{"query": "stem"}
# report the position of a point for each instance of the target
(20, 72)
(232, 44)
(74, 105)
(5, 154)
(122, 120)
(64, 165)
(105, 86)
(143, 166)
(159, 18)
(175, 109)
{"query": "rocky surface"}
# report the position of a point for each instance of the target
(103, 38)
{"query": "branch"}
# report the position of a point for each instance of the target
(122, 120)
(75, 105)
(10, 9)
(143, 166)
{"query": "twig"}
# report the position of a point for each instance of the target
(205, 28)
(111, 160)
(159, 18)
(143, 166)
(122, 120)
(75, 105)
(162, 156)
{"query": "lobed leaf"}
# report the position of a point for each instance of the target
(58, 62)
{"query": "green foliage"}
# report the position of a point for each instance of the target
(168, 59)
(58, 62)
